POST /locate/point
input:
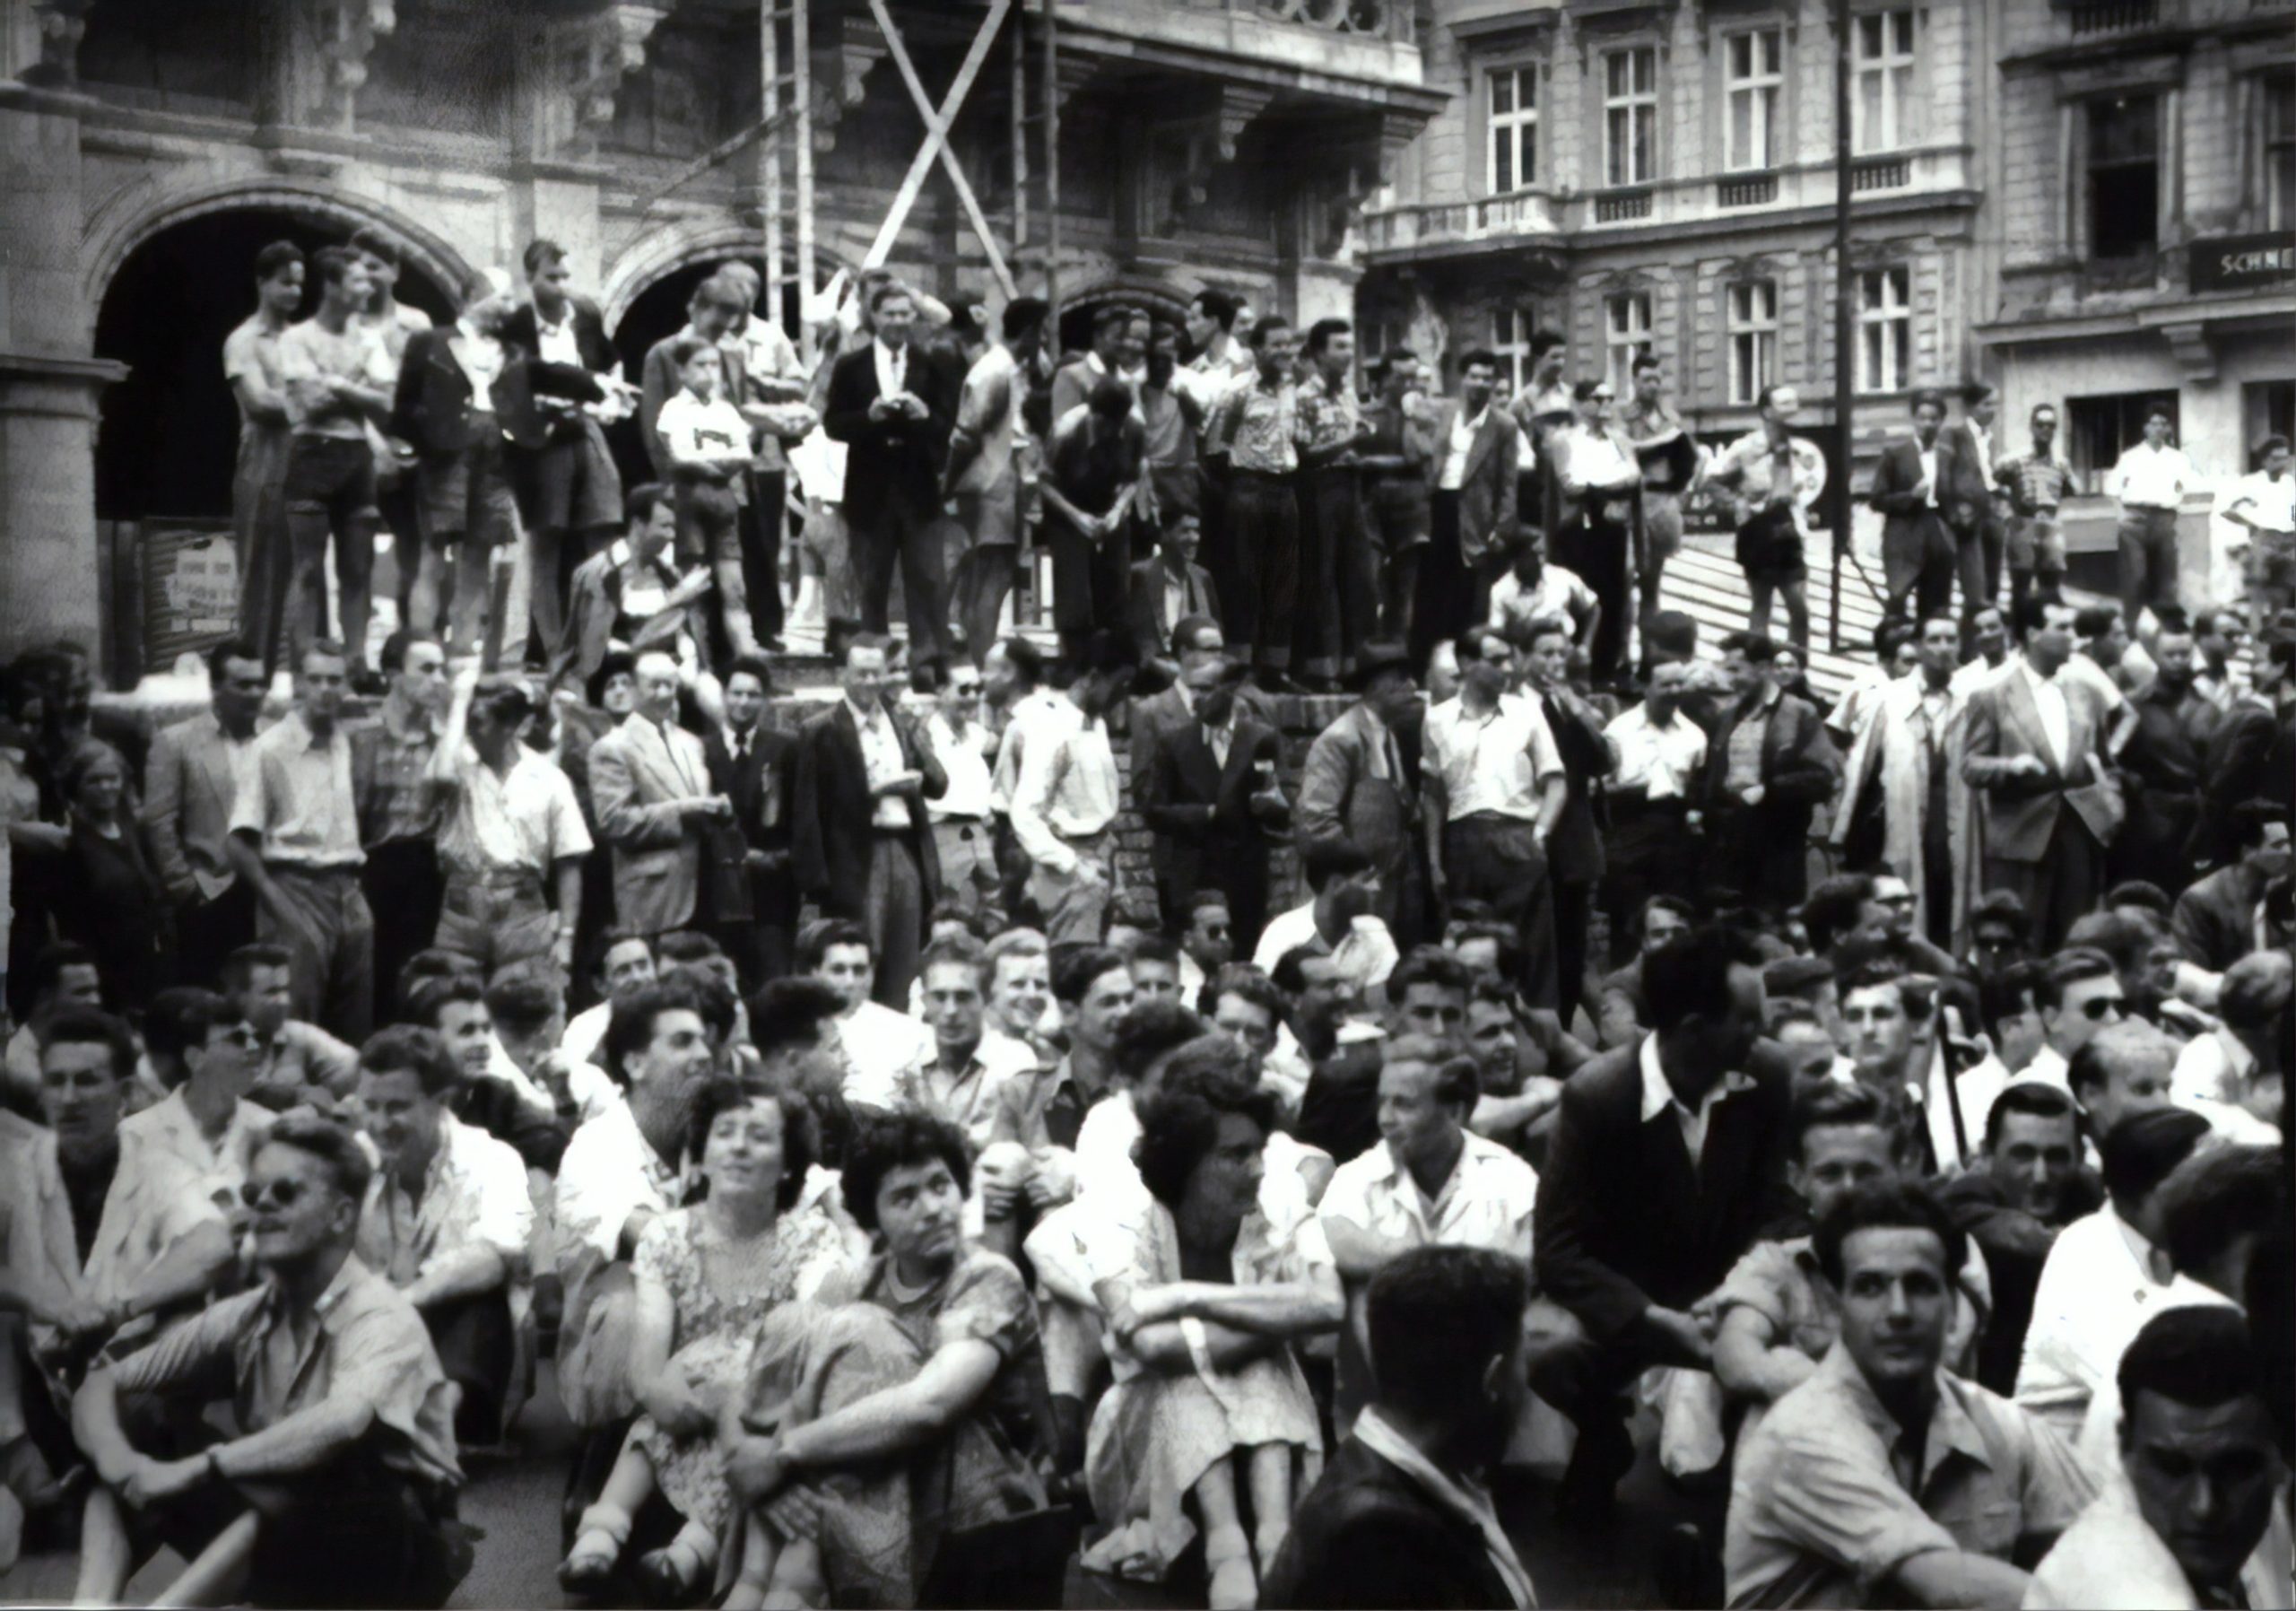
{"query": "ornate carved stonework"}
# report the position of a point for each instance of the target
(1208, 141)
(59, 23)
(589, 57)
(346, 32)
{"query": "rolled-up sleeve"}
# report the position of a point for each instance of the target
(195, 1358)
(1822, 1497)
(498, 1209)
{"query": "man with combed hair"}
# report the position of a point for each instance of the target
(650, 780)
(1400, 1516)
(2197, 1519)
(1884, 1478)
(340, 1488)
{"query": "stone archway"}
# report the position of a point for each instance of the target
(1165, 303)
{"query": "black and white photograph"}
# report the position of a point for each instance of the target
(1148, 804)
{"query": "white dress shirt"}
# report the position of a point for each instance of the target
(878, 1044)
(1496, 762)
(892, 368)
(1068, 788)
(967, 795)
(1659, 762)
(2098, 1287)
(1453, 473)
(1365, 956)
(881, 759)
(1659, 1098)
(1928, 469)
(2150, 478)
(1486, 1203)
(2056, 720)
(555, 344)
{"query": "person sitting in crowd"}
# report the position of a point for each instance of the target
(339, 1488)
(876, 1041)
(1866, 1475)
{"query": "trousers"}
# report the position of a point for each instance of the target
(330, 934)
(1263, 534)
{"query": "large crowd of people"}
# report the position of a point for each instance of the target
(908, 1206)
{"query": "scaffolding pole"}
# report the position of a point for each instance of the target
(768, 152)
(1052, 165)
(801, 62)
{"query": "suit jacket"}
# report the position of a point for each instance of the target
(1574, 849)
(830, 839)
(1623, 1221)
(2214, 920)
(1892, 754)
(1799, 765)
(1908, 523)
(759, 784)
(431, 407)
(593, 607)
(894, 458)
(187, 791)
(528, 376)
(639, 772)
(1204, 810)
(2020, 814)
(1152, 634)
(1487, 493)
(1347, 790)
(1367, 1535)
(1965, 499)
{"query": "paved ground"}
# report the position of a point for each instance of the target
(515, 1501)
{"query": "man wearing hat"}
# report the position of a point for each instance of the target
(512, 826)
(1359, 783)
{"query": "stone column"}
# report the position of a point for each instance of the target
(49, 385)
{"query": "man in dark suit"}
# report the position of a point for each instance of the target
(444, 408)
(2163, 763)
(1575, 848)
(754, 766)
(1212, 794)
(1470, 476)
(1759, 798)
(894, 409)
(2215, 920)
(570, 494)
(1911, 486)
(860, 839)
(1668, 1158)
(2035, 746)
(1400, 1516)
(1977, 519)
(1166, 590)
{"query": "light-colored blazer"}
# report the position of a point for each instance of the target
(1892, 753)
(2020, 814)
(639, 774)
(188, 807)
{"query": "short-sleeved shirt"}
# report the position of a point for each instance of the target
(696, 431)
(1365, 956)
(309, 352)
(878, 1044)
(295, 794)
(524, 821)
(473, 1193)
(967, 1097)
(1486, 1203)
(983, 1299)
(167, 1130)
(1662, 763)
(1558, 593)
(1329, 413)
(1495, 762)
(1781, 1281)
(608, 1172)
(1821, 1516)
(1258, 426)
(369, 1347)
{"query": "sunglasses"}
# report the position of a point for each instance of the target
(285, 1194)
(2095, 1011)
(1905, 900)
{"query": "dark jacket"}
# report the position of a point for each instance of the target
(432, 408)
(1624, 1222)
(1800, 767)
(893, 457)
(1367, 1535)
(2251, 755)
(1152, 634)
(761, 784)
(2213, 923)
(1966, 501)
(1911, 531)
(830, 839)
(1574, 849)
(1209, 835)
(526, 376)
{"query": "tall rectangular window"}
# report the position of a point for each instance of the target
(1882, 102)
(1752, 329)
(1630, 116)
(1753, 80)
(1513, 121)
(1626, 319)
(2280, 151)
(2099, 430)
(1510, 340)
(2124, 175)
(1884, 329)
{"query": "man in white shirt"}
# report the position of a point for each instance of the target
(1533, 588)
(1661, 756)
(878, 1043)
(625, 960)
(1337, 917)
(206, 1124)
(1493, 785)
(962, 832)
(984, 471)
(2151, 481)
(1430, 1182)
(1066, 799)
(448, 1218)
(2263, 503)
(2107, 1274)
(962, 1077)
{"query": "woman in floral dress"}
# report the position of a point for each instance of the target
(706, 1277)
(1201, 1319)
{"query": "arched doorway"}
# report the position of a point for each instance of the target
(1163, 303)
(170, 430)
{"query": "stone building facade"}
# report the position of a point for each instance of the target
(148, 148)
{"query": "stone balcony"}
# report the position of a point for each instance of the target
(1530, 217)
(1368, 43)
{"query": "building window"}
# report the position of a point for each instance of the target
(2280, 151)
(1630, 116)
(2267, 408)
(1510, 340)
(1753, 80)
(1884, 329)
(2123, 176)
(1752, 321)
(1514, 129)
(1626, 318)
(2099, 430)
(1880, 110)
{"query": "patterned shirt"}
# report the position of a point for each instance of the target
(1258, 427)
(2036, 486)
(1329, 413)
(390, 765)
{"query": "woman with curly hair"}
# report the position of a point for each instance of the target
(891, 1415)
(1202, 1316)
(705, 1277)
(117, 907)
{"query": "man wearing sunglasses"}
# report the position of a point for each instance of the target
(340, 1484)
(207, 1124)
(2080, 993)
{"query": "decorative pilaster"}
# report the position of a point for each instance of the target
(587, 60)
(44, 42)
(346, 31)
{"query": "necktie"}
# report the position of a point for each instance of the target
(1392, 754)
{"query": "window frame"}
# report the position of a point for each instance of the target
(2276, 86)
(1898, 107)
(1519, 126)
(1876, 319)
(1766, 91)
(1634, 102)
(2085, 197)
(2084, 424)
(1513, 351)
(1623, 344)
(1752, 365)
